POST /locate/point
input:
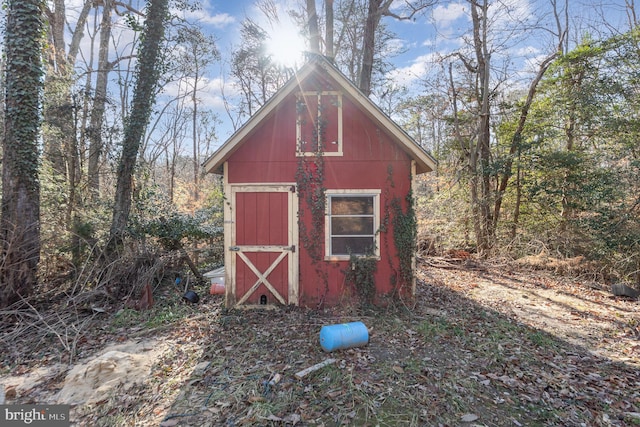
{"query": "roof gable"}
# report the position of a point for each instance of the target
(424, 161)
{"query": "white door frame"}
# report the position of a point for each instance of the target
(233, 251)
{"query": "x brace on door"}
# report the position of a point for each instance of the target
(246, 234)
(262, 278)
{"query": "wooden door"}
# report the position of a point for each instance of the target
(263, 252)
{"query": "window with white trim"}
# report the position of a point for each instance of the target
(353, 220)
(319, 123)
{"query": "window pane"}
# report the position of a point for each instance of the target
(329, 111)
(352, 245)
(307, 123)
(351, 225)
(344, 205)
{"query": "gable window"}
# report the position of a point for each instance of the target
(353, 219)
(319, 123)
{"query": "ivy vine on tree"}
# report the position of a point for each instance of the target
(20, 223)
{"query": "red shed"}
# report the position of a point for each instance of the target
(318, 189)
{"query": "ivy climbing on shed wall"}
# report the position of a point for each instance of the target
(360, 274)
(312, 196)
(405, 237)
(405, 233)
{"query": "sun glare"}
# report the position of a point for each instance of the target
(286, 46)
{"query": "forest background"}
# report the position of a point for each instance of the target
(537, 147)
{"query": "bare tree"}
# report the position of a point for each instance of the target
(490, 171)
(199, 52)
(100, 98)
(256, 74)
(360, 35)
(61, 106)
(376, 10)
(60, 144)
(314, 33)
(328, 39)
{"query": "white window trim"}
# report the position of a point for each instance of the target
(319, 94)
(375, 193)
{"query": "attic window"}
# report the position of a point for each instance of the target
(353, 220)
(319, 123)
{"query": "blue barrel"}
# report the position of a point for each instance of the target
(344, 335)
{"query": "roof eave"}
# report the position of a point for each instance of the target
(214, 163)
(424, 161)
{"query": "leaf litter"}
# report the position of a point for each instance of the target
(490, 346)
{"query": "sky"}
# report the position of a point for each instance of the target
(417, 37)
(425, 40)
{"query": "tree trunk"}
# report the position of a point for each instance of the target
(20, 222)
(516, 209)
(99, 100)
(314, 34)
(368, 46)
(516, 139)
(61, 146)
(147, 71)
(194, 131)
(484, 222)
(328, 38)
(57, 113)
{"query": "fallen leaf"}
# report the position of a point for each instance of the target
(10, 392)
(334, 394)
(469, 418)
(292, 419)
(398, 369)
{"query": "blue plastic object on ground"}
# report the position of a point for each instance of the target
(344, 335)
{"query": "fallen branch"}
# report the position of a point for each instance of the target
(190, 263)
(449, 263)
(300, 375)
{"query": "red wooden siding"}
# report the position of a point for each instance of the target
(370, 160)
(261, 218)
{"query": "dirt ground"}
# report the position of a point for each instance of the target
(483, 344)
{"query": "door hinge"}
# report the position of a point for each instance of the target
(292, 188)
(234, 248)
(292, 248)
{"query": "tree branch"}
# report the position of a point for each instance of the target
(129, 8)
(414, 9)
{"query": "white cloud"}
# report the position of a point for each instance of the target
(209, 91)
(419, 68)
(203, 16)
(510, 14)
(516, 9)
(443, 16)
(532, 64)
(527, 51)
(394, 47)
(220, 20)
